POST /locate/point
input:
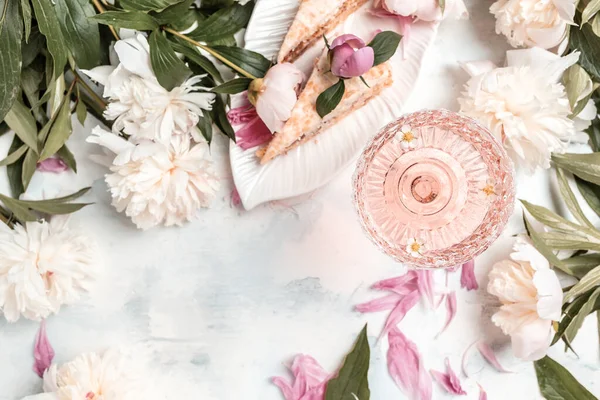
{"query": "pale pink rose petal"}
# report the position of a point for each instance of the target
(406, 367)
(381, 304)
(467, 276)
(254, 132)
(448, 380)
(425, 285)
(310, 380)
(400, 311)
(487, 353)
(236, 201)
(55, 165)
(450, 310)
(43, 352)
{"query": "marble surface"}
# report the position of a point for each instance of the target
(220, 305)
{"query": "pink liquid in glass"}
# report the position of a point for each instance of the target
(434, 189)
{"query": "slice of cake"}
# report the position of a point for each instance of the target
(314, 19)
(305, 123)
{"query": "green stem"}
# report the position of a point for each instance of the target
(211, 52)
(99, 100)
(101, 10)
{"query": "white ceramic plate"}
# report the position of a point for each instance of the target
(313, 164)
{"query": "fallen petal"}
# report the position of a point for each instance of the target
(235, 198)
(450, 310)
(425, 285)
(406, 367)
(397, 284)
(487, 353)
(254, 133)
(449, 380)
(43, 352)
(467, 276)
(400, 311)
(381, 304)
(309, 383)
(482, 393)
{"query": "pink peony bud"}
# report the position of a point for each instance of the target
(350, 56)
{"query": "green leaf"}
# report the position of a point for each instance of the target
(253, 63)
(21, 121)
(351, 381)
(168, 68)
(10, 57)
(216, 4)
(148, 5)
(577, 82)
(65, 154)
(19, 210)
(127, 19)
(14, 156)
(590, 10)
(64, 199)
(585, 166)
(585, 40)
(384, 45)
(219, 116)
(223, 23)
(233, 86)
(174, 14)
(49, 25)
(81, 112)
(31, 49)
(540, 246)
(26, 13)
(22, 208)
(593, 132)
(556, 383)
(570, 199)
(194, 56)
(589, 281)
(80, 31)
(581, 265)
(555, 221)
(205, 126)
(577, 321)
(30, 83)
(29, 164)
(591, 194)
(59, 132)
(13, 170)
(570, 311)
(595, 24)
(330, 98)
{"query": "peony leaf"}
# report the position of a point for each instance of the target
(176, 14)
(570, 199)
(556, 383)
(595, 24)
(168, 68)
(330, 98)
(576, 82)
(253, 63)
(60, 130)
(19, 210)
(13, 170)
(11, 33)
(223, 23)
(14, 156)
(233, 86)
(590, 10)
(45, 14)
(127, 19)
(541, 246)
(577, 321)
(351, 381)
(194, 56)
(589, 281)
(384, 45)
(569, 311)
(205, 126)
(147, 5)
(555, 221)
(43, 352)
(568, 241)
(585, 40)
(20, 120)
(585, 166)
(219, 117)
(29, 165)
(590, 192)
(80, 31)
(582, 264)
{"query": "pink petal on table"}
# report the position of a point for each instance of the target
(406, 367)
(399, 312)
(310, 380)
(235, 198)
(467, 276)
(381, 304)
(425, 285)
(450, 310)
(397, 284)
(440, 301)
(482, 393)
(448, 380)
(487, 353)
(42, 351)
(55, 165)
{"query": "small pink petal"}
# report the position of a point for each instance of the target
(400, 311)
(309, 383)
(440, 301)
(54, 165)
(254, 132)
(358, 63)
(467, 276)
(353, 40)
(241, 115)
(425, 285)
(236, 200)
(450, 310)
(406, 367)
(381, 304)
(42, 351)
(482, 393)
(449, 380)
(487, 353)
(396, 284)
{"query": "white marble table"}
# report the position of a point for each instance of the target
(221, 305)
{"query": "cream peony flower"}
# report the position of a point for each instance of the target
(426, 10)
(524, 104)
(531, 298)
(155, 184)
(530, 23)
(140, 106)
(275, 95)
(43, 265)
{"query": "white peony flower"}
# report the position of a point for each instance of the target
(155, 184)
(140, 106)
(524, 104)
(531, 298)
(275, 95)
(530, 23)
(43, 265)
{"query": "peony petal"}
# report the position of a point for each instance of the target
(253, 134)
(482, 393)
(552, 65)
(54, 165)
(531, 340)
(489, 355)
(475, 68)
(42, 351)
(448, 380)
(381, 304)
(425, 285)
(236, 201)
(358, 63)
(450, 310)
(549, 294)
(467, 276)
(406, 367)
(397, 284)
(99, 74)
(352, 40)
(400, 311)
(309, 382)
(339, 57)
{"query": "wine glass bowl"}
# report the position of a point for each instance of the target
(434, 189)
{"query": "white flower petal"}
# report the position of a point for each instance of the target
(531, 341)
(99, 74)
(550, 295)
